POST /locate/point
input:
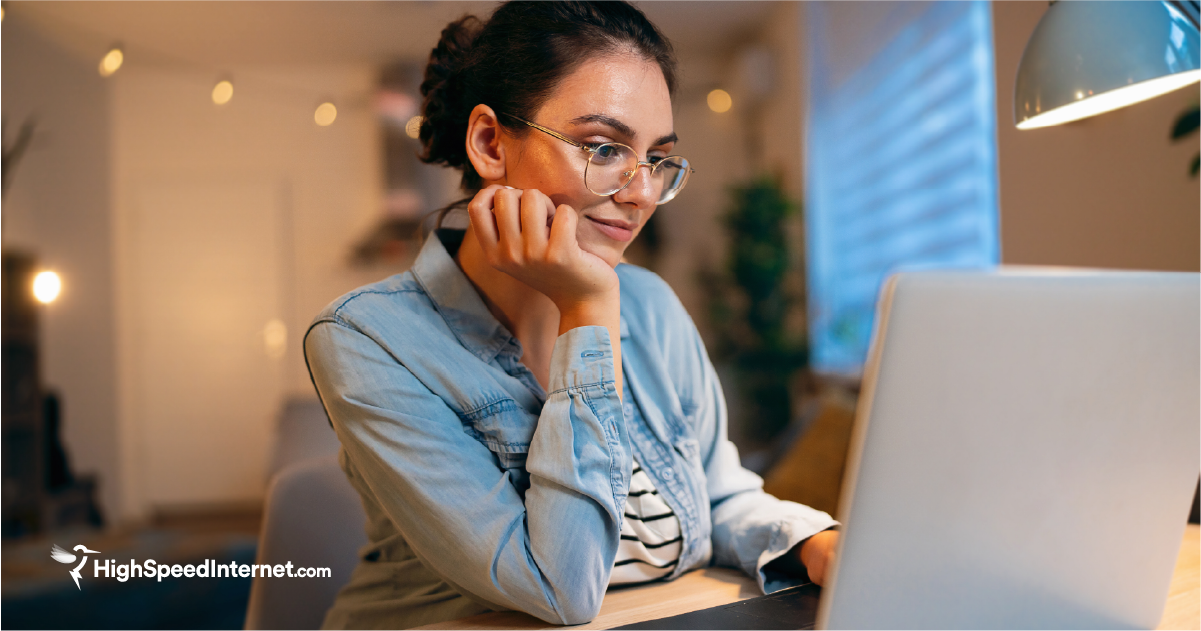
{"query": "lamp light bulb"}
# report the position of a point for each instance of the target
(1111, 100)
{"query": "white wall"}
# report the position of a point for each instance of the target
(308, 191)
(1111, 191)
(58, 208)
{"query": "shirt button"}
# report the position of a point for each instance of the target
(668, 474)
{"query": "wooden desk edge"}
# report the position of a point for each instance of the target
(711, 587)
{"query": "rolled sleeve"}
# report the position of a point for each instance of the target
(548, 554)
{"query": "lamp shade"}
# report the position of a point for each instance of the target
(1087, 57)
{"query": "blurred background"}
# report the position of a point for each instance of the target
(202, 178)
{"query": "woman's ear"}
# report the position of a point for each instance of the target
(483, 144)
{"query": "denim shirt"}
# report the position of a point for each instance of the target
(483, 491)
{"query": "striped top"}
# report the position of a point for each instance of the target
(651, 540)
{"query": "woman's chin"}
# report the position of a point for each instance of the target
(607, 253)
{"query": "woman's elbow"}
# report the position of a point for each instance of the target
(573, 607)
(580, 610)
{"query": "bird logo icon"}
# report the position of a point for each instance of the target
(62, 556)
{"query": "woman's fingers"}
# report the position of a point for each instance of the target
(483, 221)
(507, 208)
(535, 208)
(562, 234)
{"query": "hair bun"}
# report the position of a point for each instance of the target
(443, 132)
(513, 62)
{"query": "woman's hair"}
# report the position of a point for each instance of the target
(513, 62)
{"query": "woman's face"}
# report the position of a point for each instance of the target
(618, 98)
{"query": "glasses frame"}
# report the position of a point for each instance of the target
(591, 151)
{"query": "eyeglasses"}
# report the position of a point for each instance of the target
(612, 166)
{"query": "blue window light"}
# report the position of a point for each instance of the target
(901, 164)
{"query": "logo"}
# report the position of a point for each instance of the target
(62, 556)
(153, 569)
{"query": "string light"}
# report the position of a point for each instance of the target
(719, 101)
(326, 114)
(413, 127)
(46, 287)
(112, 62)
(223, 92)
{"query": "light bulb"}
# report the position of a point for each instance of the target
(1112, 100)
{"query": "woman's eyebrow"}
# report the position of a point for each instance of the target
(619, 127)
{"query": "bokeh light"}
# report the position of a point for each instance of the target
(325, 115)
(413, 127)
(223, 92)
(720, 101)
(46, 287)
(111, 62)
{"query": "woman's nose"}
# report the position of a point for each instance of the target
(642, 191)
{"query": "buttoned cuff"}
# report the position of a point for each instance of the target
(788, 534)
(582, 357)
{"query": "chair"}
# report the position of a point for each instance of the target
(314, 518)
(302, 432)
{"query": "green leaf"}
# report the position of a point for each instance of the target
(1186, 124)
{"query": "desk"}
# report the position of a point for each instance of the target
(711, 587)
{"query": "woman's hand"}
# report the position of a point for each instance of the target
(817, 554)
(525, 236)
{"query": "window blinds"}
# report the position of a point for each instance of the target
(901, 158)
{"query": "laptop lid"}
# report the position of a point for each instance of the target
(1025, 451)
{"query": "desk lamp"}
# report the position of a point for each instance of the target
(1087, 57)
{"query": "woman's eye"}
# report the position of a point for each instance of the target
(655, 159)
(605, 151)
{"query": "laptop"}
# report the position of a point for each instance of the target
(1024, 455)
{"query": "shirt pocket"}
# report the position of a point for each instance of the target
(504, 428)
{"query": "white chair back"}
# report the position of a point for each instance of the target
(313, 518)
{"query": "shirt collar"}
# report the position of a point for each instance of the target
(460, 305)
(458, 302)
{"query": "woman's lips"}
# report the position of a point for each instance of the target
(614, 228)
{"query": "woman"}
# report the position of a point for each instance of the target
(510, 453)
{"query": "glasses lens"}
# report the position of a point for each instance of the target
(672, 174)
(613, 165)
(609, 168)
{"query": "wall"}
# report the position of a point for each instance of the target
(690, 224)
(58, 208)
(721, 149)
(1111, 191)
(305, 192)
